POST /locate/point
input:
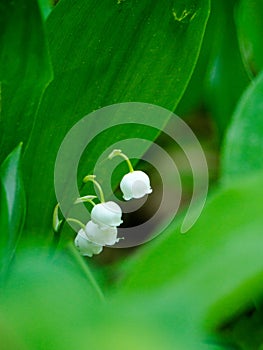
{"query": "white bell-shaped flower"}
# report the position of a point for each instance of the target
(105, 236)
(135, 184)
(106, 214)
(85, 246)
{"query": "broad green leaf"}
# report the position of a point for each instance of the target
(249, 27)
(24, 70)
(243, 146)
(219, 77)
(12, 206)
(105, 53)
(216, 268)
(226, 77)
(193, 97)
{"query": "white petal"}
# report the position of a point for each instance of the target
(106, 236)
(106, 214)
(135, 185)
(85, 246)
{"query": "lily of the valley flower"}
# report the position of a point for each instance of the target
(135, 184)
(90, 241)
(107, 214)
(85, 246)
(105, 236)
(91, 238)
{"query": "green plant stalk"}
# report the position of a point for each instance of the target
(86, 271)
(118, 152)
(92, 179)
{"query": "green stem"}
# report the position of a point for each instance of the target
(85, 199)
(57, 230)
(77, 222)
(118, 152)
(92, 179)
(91, 202)
(86, 271)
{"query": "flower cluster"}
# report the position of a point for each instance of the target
(101, 230)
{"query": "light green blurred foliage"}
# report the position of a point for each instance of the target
(243, 147)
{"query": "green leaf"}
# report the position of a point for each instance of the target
(226, 77)
(215, 269)
(24, 70)
(45, 7)
(243, 146)
(193, 97)
(219, 77)
(105, 53)
(249, 27)
(12, 206)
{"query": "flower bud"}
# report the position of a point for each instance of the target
(135, 184)
(106, 214)
(105, 236)
(85, 246)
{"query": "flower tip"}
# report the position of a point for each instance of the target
(127, 198)
(88, 178)
(114, 153)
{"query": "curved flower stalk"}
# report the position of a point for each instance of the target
(104, 213)
(135, 184)
(92, 178)
(101, 230)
